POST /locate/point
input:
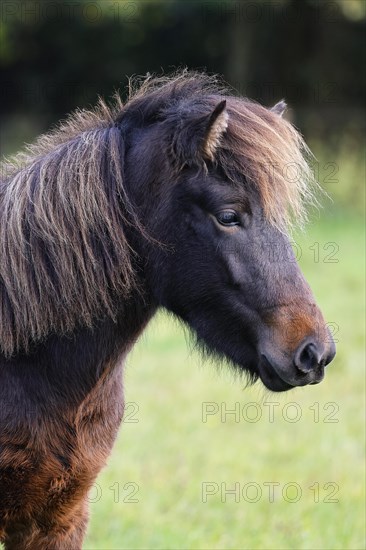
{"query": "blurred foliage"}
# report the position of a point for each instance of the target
(56, 56)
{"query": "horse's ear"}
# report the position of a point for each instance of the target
(279, 108)
(216, 126)
(198, 135)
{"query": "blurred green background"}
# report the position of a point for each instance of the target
(56, 56)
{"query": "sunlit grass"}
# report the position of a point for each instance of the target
(169, 452)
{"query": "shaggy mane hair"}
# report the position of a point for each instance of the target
(64, 206)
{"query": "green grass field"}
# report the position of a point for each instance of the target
(298, 474)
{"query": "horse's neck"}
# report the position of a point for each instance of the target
(63, 370)
(107, 345)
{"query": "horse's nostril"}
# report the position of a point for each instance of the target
(307, 357)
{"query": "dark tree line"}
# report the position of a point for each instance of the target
(59, 55)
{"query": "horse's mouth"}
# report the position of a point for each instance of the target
(278, 379)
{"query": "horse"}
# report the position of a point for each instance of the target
(181, 198)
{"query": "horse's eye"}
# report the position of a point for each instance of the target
(228, 218)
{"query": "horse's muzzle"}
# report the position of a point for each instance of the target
(307, 366)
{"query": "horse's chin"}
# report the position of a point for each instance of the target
(253, 365)
(271, 379)
(277, 379)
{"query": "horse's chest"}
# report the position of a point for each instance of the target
(51, 470)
